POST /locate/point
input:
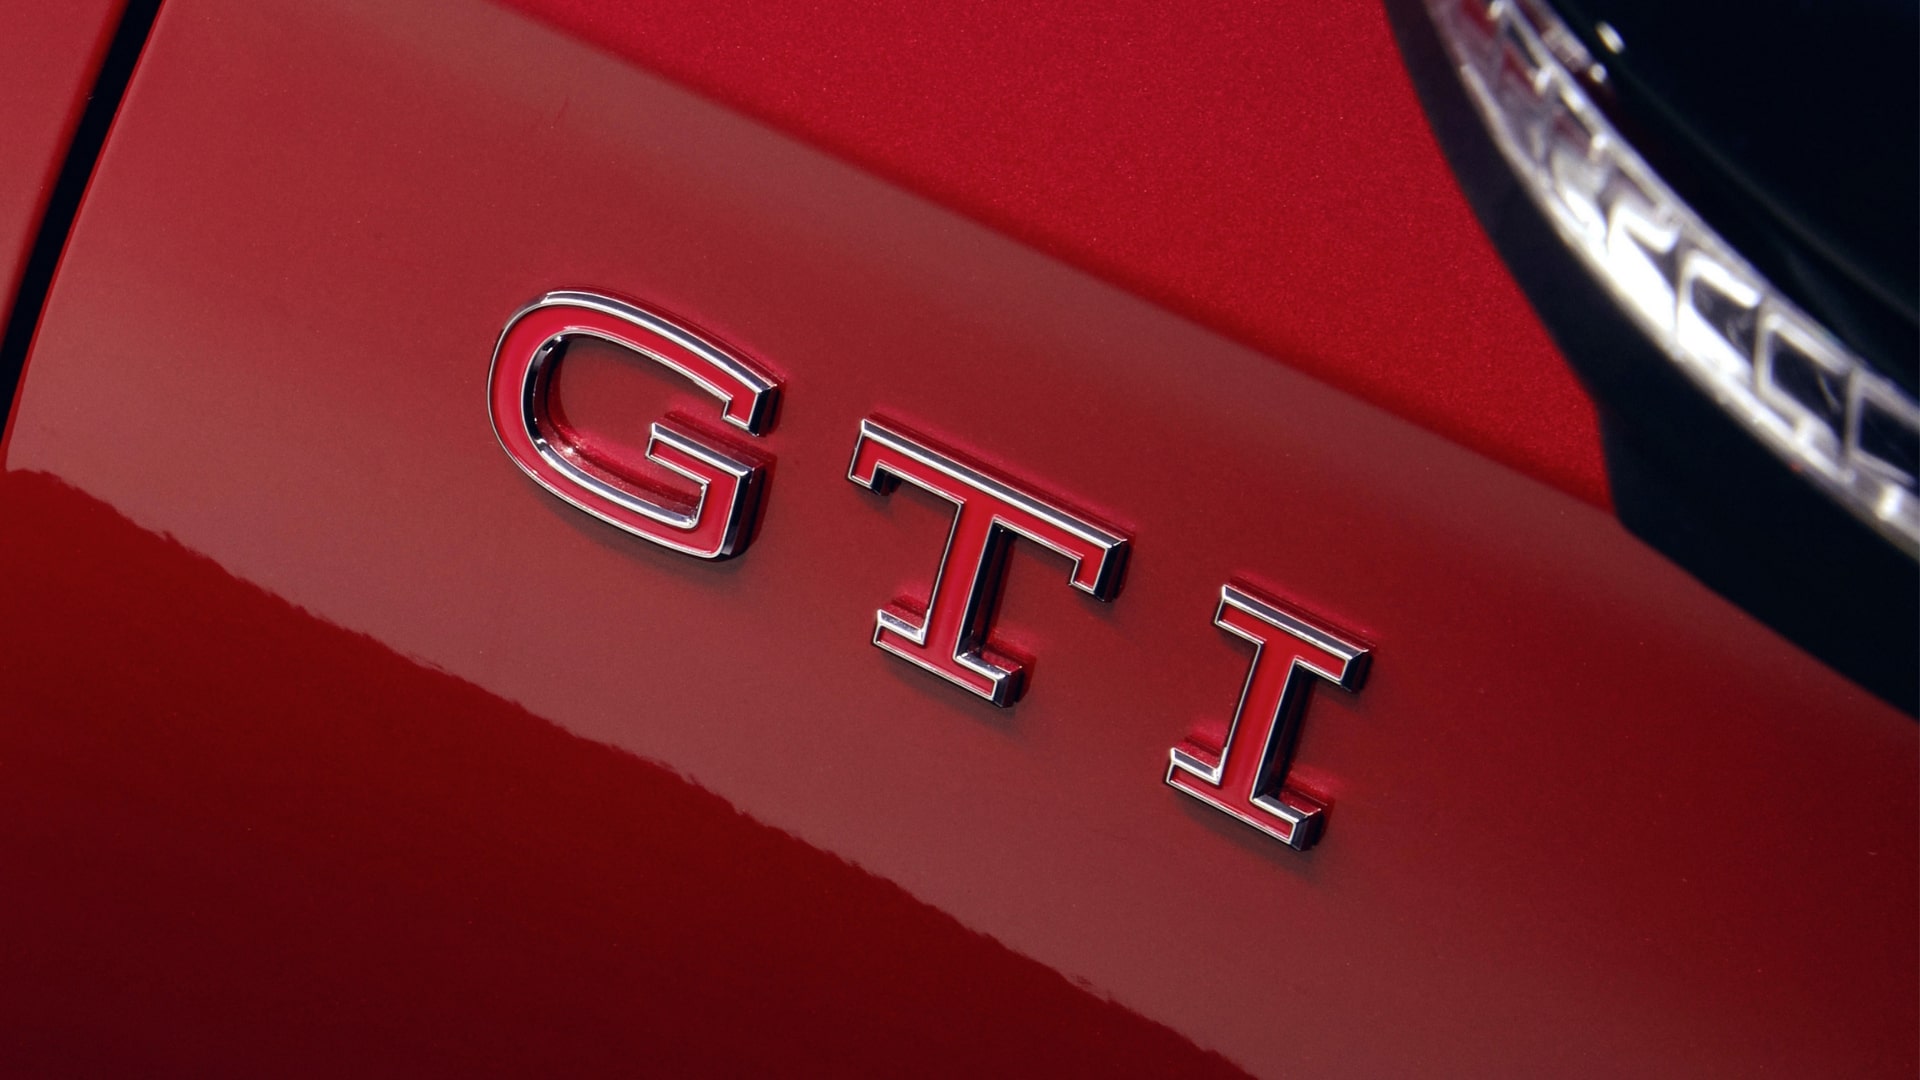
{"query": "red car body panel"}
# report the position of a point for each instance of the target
(328, 858)
(343, 743)
(49, 57)
(1263, 168)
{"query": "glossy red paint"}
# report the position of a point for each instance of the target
(1240, 768)
(1261, 166)
(49, 55)
(950, 633)
(1589, 818)
(713, 521)
(325, 859)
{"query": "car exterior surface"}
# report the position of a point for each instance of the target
(335, 742)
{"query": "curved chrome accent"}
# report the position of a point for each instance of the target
(1767, 363)
(719, 523)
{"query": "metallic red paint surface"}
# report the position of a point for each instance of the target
(49, 55)
(315, 857)
(1260, 166)
(1588, 818)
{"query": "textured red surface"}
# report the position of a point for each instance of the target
(1262, 167)
(337, 859)
(49, 54)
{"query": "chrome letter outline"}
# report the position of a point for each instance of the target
(1289, 653)
(949, 634)
(715, 523)
(1242, 772)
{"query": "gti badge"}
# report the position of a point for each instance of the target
(949, 634)
(1240, 769)
(1244, 773)
(713, 522)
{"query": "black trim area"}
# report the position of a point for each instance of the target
(63, 205)
(1795, 128)
(1686, 478)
